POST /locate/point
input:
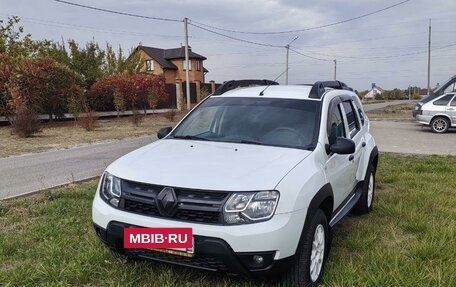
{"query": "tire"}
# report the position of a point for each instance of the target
(308, 267)
(365, 202)
(440, 125)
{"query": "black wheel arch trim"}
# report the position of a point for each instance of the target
(374, 154)
(325, 193)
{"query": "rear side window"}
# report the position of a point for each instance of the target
(443, 101)
(360, 112)
(353, 125)
(453, 103)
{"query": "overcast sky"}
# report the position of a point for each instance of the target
(388, 48)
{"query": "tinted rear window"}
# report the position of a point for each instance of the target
(443, 101)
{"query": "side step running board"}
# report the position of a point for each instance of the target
(347, 207)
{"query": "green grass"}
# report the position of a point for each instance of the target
(408, 240)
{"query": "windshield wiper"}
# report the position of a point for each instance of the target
(245, 141)
(188, 137)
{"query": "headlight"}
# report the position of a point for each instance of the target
(250, 207)
(110, 189)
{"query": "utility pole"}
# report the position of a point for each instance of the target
(335, 70)
(187, 76)
(288, 54)
(429, 61)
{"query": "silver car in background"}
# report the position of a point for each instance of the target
(438, 113)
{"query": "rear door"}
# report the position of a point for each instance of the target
(354, 133)
(451, 111)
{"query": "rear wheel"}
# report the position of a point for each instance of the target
(311, 256)
(364, 204)
(440, 124)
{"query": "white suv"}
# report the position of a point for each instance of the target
(260, 174)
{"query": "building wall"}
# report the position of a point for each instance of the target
(144, 57)
(172, 76)
(194, 75)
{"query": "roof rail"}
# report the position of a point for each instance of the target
(233, 84)
(318, 89)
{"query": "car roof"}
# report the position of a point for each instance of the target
(276, 91)
(299, 92)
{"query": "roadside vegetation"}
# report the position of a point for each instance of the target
(394, 112)
(52, 78)
(408, 240)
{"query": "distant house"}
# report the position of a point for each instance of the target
(375, 91)
(170, 63)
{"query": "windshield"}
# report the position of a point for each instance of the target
(262, 121)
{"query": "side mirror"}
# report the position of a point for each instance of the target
(163, 132)
(343, 146)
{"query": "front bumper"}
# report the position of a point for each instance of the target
(228, 244)
(212, 254)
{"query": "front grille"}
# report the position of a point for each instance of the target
(201, 206)
(198, 261)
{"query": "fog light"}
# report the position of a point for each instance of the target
(258, 259)
(114, 202)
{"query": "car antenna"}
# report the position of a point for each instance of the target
(262, 92)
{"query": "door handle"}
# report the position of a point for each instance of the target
(351, 157)
(450, 109)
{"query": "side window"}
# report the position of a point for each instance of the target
(336, 125)
(360, 112)
(443, 101)
(353, 125)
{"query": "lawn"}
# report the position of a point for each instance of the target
(62, 135)
(408, 240)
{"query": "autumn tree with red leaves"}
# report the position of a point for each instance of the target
(137, 92)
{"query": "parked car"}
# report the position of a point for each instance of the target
(260, 174)
(448, 87)
(439, 113)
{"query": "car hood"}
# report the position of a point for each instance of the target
(208, 165)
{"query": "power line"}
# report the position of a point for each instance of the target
(382, 57)
(311, 57)
(92, 29)
(305, 29)
(235, 38)
(118, 12)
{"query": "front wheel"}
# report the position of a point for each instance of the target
(311, 256)
(440, 124)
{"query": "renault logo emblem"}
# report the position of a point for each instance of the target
(166, 201)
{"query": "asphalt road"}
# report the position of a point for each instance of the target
(26, 174)
(409, 137)
(29, 173)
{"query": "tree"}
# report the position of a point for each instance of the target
(47, 85)
(118, 63)
(13, 42)
(138, 91)
(6, 72)
(87, 62)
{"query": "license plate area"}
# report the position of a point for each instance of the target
(175, 241)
